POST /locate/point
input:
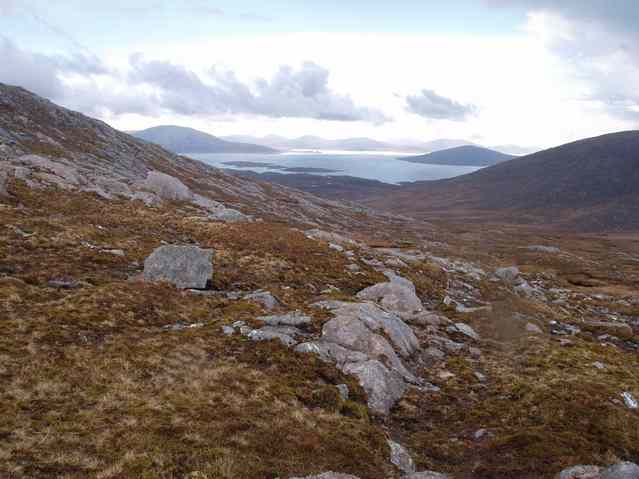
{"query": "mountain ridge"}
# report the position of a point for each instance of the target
(465, 155)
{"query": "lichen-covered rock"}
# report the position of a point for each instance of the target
(622, 470)
(383, 386)
(183, 266)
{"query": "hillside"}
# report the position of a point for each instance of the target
(588, 185)
(163, 319)
(179, 139)
(466, 155)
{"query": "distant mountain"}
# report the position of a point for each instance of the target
(309, 142)
(515, 149)
(468, 155)
(588, 185)
(179, 139)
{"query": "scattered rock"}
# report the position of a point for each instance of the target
(181, 326)
(295, 318)
(426, 475)
(579, 472)
(480, 377)
(264, 298)
(480, 433)
(228, 330)
(229, 215)
(623, 470)
(329, 237)
(508, 275)
(115, 252)
(4, 192)
(336, 247)
(543, 249)
(400, 458)
(464, 329)
(184, 266)
(599, 365)
(285, 334)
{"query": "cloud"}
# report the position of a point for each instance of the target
(290, 93)
(598, 41)
(436, 107)
(43, 74)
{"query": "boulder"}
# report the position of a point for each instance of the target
(464, 329)
(167, 187)
(282, 333)
(623, 470)
(183, 266)
(400, 458)
(533, 328)
(229, 215)
(397, 295)
(383, 386)
(580, 472)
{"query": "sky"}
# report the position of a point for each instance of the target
(533, 73)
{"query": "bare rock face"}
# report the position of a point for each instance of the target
(397, 295)
(183, 266)
(383, 386)
(167, 187)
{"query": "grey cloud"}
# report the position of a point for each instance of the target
(43, 73)
(431, 105)
(302, 93)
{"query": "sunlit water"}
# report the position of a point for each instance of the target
(372, 166)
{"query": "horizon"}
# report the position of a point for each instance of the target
(541, 73)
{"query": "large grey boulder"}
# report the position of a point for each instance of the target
(328, 475)
(167, 187)
(183, 266)
(400, 458)
(400, 334)
(397, 295)
(383, 386)
(580, 472)
(623, 470)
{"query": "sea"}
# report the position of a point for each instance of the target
(372, 165)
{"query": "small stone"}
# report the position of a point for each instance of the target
(533, 328)
(328, 475)
(353, 267)
(508, 275)
(599, 365)
(445, 375)
(475, 352)
(479, 433)
(343, 390)
(464, 329)
(335, 247)
(480, 377)
(64, 283)
(115, 252)
(264, 298)
(629, 400)
(228, 330)
(426, 475)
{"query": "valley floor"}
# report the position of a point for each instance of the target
(104, 375)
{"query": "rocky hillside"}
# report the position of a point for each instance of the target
(161, 319)
(187, 140)
(588, 185)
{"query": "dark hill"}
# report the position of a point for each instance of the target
(588, 185)
(467, 155)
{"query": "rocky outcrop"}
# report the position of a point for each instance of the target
(166, 187)
(383, 386)
(183, 266)
(622, 470)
